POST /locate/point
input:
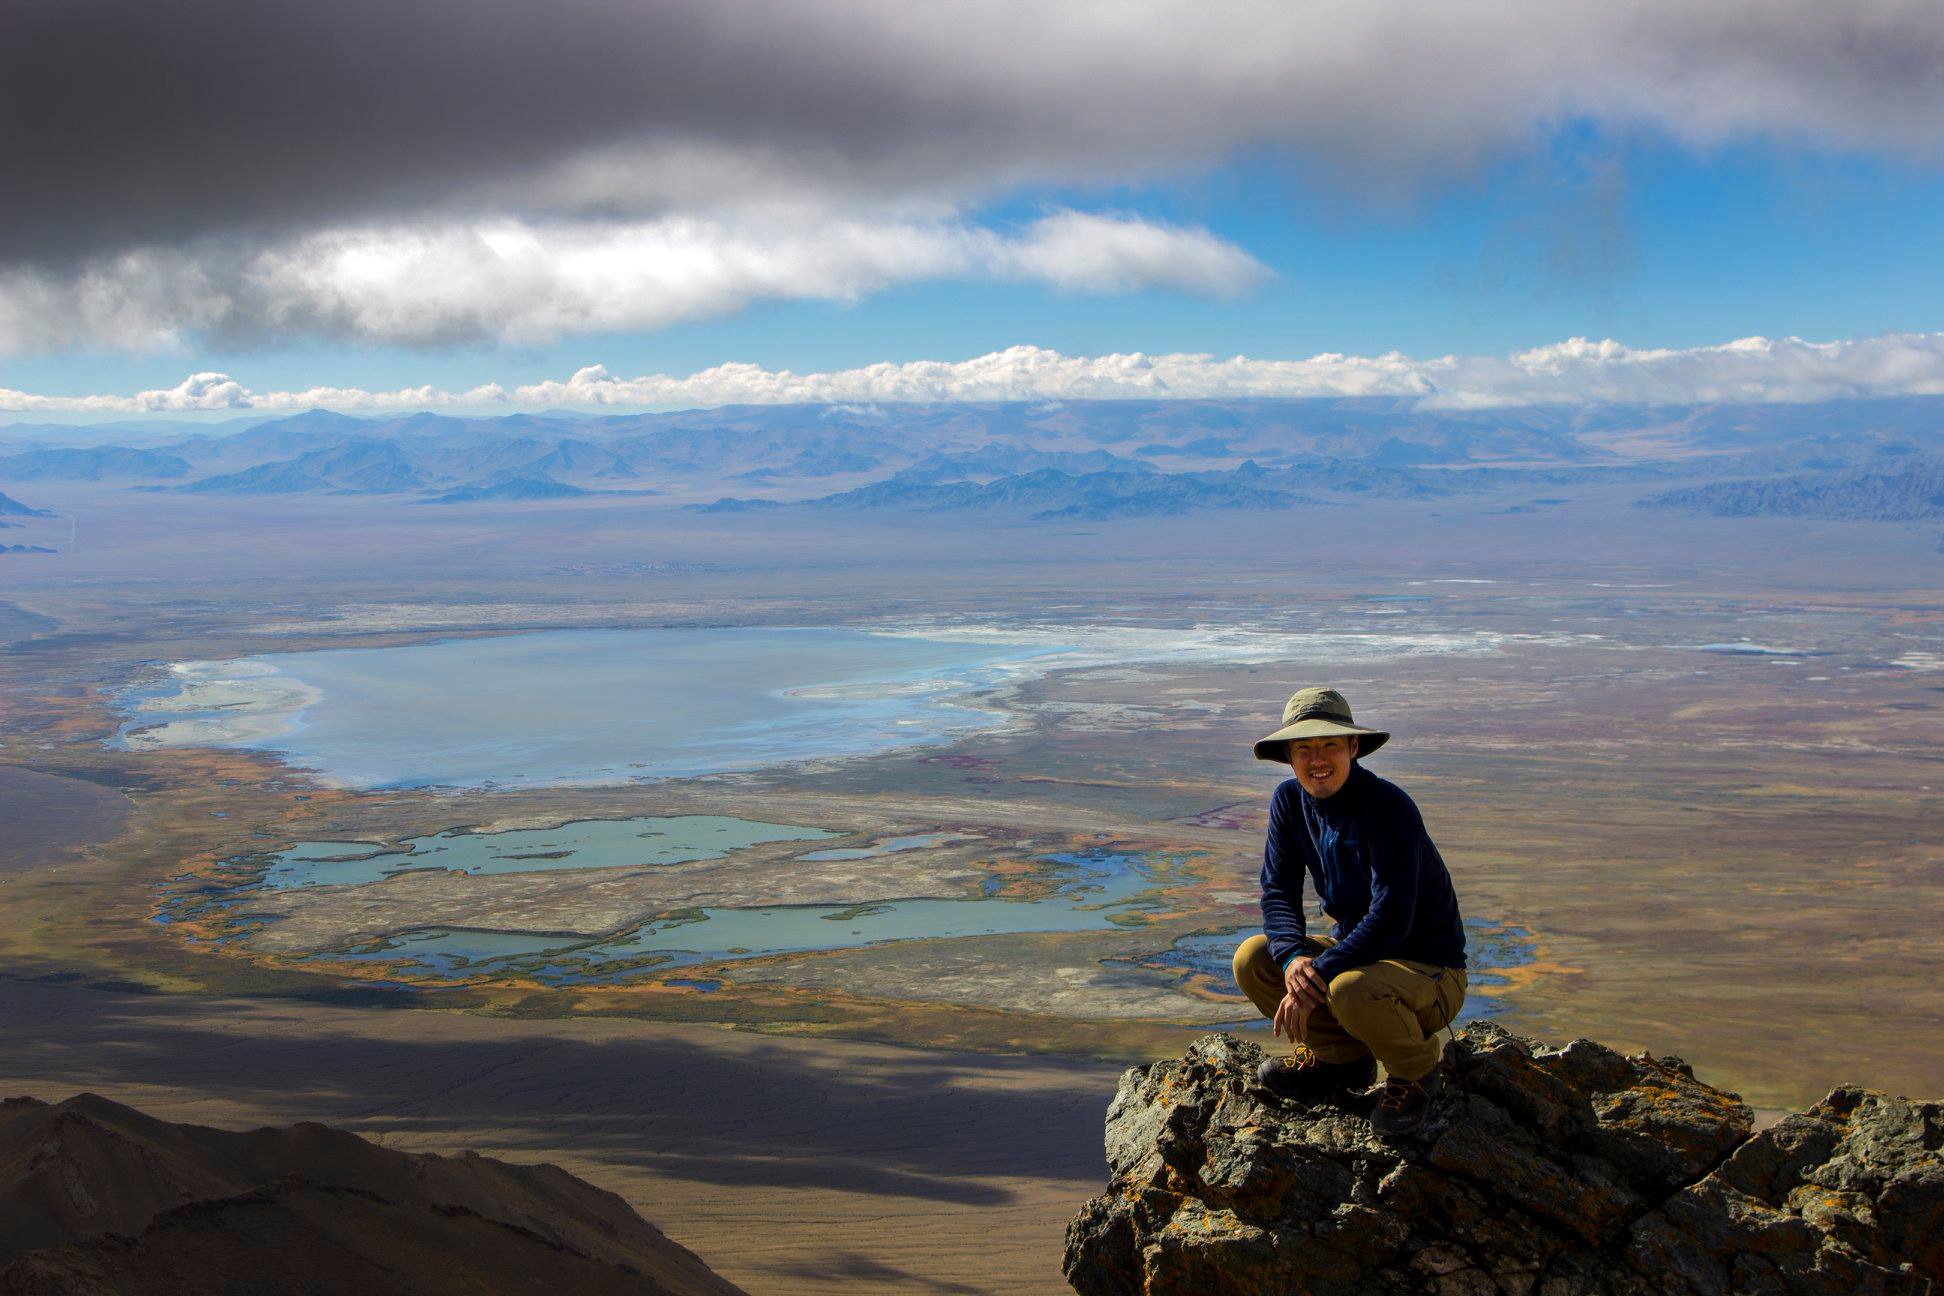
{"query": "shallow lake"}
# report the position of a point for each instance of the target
(615, 706)
(580, 706)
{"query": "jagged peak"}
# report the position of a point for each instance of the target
(1567, 1171)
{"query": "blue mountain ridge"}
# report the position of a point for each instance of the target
(10, 507)
(1910, 491)
(513, 488)
(91, 463)
(361, 467)
(1050, 493)
(1047, 459)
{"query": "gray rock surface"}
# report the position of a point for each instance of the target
(1542, 1172)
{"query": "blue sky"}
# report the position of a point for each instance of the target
(1663, 217)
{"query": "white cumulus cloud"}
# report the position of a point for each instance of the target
(515, 281)
(1576, 371)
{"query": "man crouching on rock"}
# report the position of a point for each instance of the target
(1392, 974)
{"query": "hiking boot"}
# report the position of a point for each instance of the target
(1306, 1078)
(1403, 1105)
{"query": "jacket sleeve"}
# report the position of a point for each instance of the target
(1285, 860)
(1395, 839)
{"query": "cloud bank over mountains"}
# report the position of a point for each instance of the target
(398, 171)
(1576, 371)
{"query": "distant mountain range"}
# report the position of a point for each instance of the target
(94, 463)
(422, 459)
(1910, 490)
(1048, 494)
(513, 488)
(117, 432)
(995, 460)
(1053, 494)
(361, 467)
(1827, 452)
(1043, 460)
(1200, 448)
(732, 504)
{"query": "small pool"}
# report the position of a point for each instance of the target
(582, 844)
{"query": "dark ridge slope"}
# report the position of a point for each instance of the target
(306, 1239)
(90, 1188)
(10, 507)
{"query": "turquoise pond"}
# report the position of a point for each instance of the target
(586, 843)
(580, 706)
(1093, 890)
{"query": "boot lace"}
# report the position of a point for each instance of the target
(1397, 1093)
(1302, 1056)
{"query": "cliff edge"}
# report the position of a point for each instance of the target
(1542, 1172)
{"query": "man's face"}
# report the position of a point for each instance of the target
(1322, 764)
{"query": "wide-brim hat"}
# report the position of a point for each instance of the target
(1317, 713)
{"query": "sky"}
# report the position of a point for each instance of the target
(247, 205)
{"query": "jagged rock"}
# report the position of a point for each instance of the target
(1542, 1172)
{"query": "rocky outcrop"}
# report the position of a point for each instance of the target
(1542, 1172)
(96, 1197)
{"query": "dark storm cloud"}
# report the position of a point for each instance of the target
(142, 122)
(131, 123)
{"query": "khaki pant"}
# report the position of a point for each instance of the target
(1393, 1008)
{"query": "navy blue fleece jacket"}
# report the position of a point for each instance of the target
(1379, 877)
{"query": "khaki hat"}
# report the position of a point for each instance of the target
(1317, 713)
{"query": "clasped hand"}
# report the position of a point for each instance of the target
(1304, 991)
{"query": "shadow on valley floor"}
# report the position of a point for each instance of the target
(849, 1266)
(699, 1105)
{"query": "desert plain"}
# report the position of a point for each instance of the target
(1684, 770)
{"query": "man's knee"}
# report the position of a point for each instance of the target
(1352, 993)
(1249, 956)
